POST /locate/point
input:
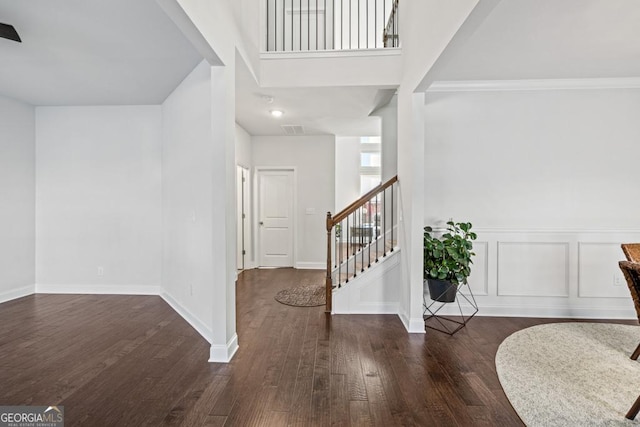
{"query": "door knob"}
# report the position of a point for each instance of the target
(261, 223)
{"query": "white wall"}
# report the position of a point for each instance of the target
(347, 171)
(243, 147)
(313, 156)
(187, 198)
(98, 199)
(547, 178)
(389, 138)
(17, 199)
(427, 26)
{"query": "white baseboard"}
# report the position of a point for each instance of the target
(17, 293)
(224, 353)
(562, 312)
(99, 289)
(413, 326)
(192, 320)
(311, 265)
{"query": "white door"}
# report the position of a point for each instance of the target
(275, 204)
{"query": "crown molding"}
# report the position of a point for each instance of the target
(537, 84)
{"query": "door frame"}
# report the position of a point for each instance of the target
(243, 225)
(256, 210)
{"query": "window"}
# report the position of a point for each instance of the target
(370, 162)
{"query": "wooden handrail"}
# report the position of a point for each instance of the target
(359, 203)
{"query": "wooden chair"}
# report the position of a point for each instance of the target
(631, 271)
(631, 251)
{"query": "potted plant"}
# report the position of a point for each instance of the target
(447, 260)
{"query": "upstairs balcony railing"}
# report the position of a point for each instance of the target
(313, 25)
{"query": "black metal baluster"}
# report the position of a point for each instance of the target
(355, 264)
(384, 32)
(347, 252)
(384, 222)
(372, 230)
(267, 25)
(397, 26)
(375, 24)
(292, 25)
(335, 245)
(333, 24)
(367, 26)
(392, 209)
(375, 225)
(362, 225)
(358, 29)
(308, 24)
(324, 38)
(350, 8)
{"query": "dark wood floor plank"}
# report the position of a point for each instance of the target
(132, 361)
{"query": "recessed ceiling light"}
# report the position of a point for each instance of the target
(277, 113)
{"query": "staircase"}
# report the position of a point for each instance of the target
(360, 237)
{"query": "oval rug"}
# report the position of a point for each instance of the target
(571, 374)
(302, 296)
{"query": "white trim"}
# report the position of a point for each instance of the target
(311, 265)
(21, 292)
(224, 353)
(540, 84)
(563, 312)
(335, 53)
(99, 289)
(192, 320)
(413, 326)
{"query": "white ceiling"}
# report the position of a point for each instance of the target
(551, 39)
(342, 111)
(91, 52)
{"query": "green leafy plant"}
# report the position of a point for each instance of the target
(449, 256)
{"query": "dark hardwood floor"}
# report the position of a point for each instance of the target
(132, 361)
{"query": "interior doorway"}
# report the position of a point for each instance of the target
(276, 216)
(243, 231)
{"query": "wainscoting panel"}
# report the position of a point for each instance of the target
(533, 269)
(598, 273)
(479, 279)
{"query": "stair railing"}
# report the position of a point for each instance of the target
(360, 235)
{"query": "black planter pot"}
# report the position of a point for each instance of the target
(441, 290)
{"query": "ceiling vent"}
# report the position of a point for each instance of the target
(293, 129)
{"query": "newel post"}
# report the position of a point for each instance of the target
(329, 282)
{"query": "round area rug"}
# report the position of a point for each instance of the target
(302, 296)
(571, 374)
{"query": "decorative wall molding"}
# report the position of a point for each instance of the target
(529, 85)
(21, 292)
(594, 282)
(485, 267)
(528, 270)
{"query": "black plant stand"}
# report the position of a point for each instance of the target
(445, 324)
